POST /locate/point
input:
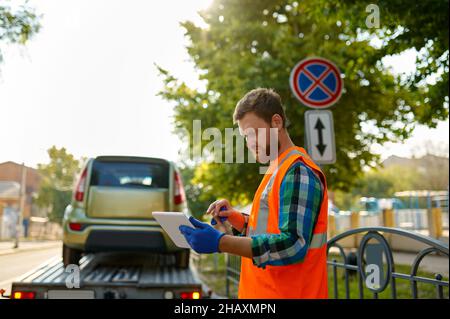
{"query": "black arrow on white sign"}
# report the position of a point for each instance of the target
(319, 127)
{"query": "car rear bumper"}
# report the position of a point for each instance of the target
(98, 238)
(111, 240)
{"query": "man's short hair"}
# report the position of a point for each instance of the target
(265, 103)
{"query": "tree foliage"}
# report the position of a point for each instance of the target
(18, 23)
(424, 26)
(57, 182)
(249, 44)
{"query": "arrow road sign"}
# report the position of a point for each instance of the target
(320, 136)
(319, 127)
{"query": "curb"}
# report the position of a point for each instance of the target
(39, 247)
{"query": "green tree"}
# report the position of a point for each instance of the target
(422, 25)
(18, 23)
(57, 182)
(198, 202)
(384, 182)
(250, 44)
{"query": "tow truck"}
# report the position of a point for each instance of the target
(111, 276)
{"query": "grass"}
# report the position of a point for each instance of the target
(403, 286)
(212, 269)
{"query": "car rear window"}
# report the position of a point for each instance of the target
(130, 174)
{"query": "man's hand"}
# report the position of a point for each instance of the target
(204, 239)
(221, 218)
(221, 211)
(216, 207)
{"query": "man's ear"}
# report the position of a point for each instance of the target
(277, 121)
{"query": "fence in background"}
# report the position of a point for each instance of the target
(432, 222)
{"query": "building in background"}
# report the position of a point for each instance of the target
(10, 179)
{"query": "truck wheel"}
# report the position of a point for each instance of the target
(71, 256)
(182, 258)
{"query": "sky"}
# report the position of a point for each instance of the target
(87, 82)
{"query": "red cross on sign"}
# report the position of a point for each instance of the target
(316, 82)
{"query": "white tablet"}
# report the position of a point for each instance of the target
(170, 222)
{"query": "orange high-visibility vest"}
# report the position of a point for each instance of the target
(306, 279)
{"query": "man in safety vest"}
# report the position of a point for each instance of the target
(283, 240)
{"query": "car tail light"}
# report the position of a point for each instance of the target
(190, 295)
(179, 195)
(76, 226)
(24, 295)
(81, 186)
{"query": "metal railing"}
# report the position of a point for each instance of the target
(354, 265)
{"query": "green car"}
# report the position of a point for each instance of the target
(112, 205)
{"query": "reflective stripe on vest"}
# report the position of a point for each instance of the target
(263, 207)
(318, 240)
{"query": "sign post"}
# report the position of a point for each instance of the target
(317, 84)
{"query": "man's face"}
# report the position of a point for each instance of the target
(252, 127)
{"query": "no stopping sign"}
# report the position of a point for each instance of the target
(316, 82)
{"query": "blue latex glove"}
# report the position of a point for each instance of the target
(222, 218)
(204, 239)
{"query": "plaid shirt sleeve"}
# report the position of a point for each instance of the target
(300, 198)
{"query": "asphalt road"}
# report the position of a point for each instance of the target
(17, 264)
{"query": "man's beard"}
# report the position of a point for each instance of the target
(267, 150)
(267, 153)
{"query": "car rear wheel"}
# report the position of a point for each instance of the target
(71, 256)
(182, 258)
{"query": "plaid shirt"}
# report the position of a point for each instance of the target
(300, 200)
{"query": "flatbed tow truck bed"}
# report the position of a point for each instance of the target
(111, 276)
